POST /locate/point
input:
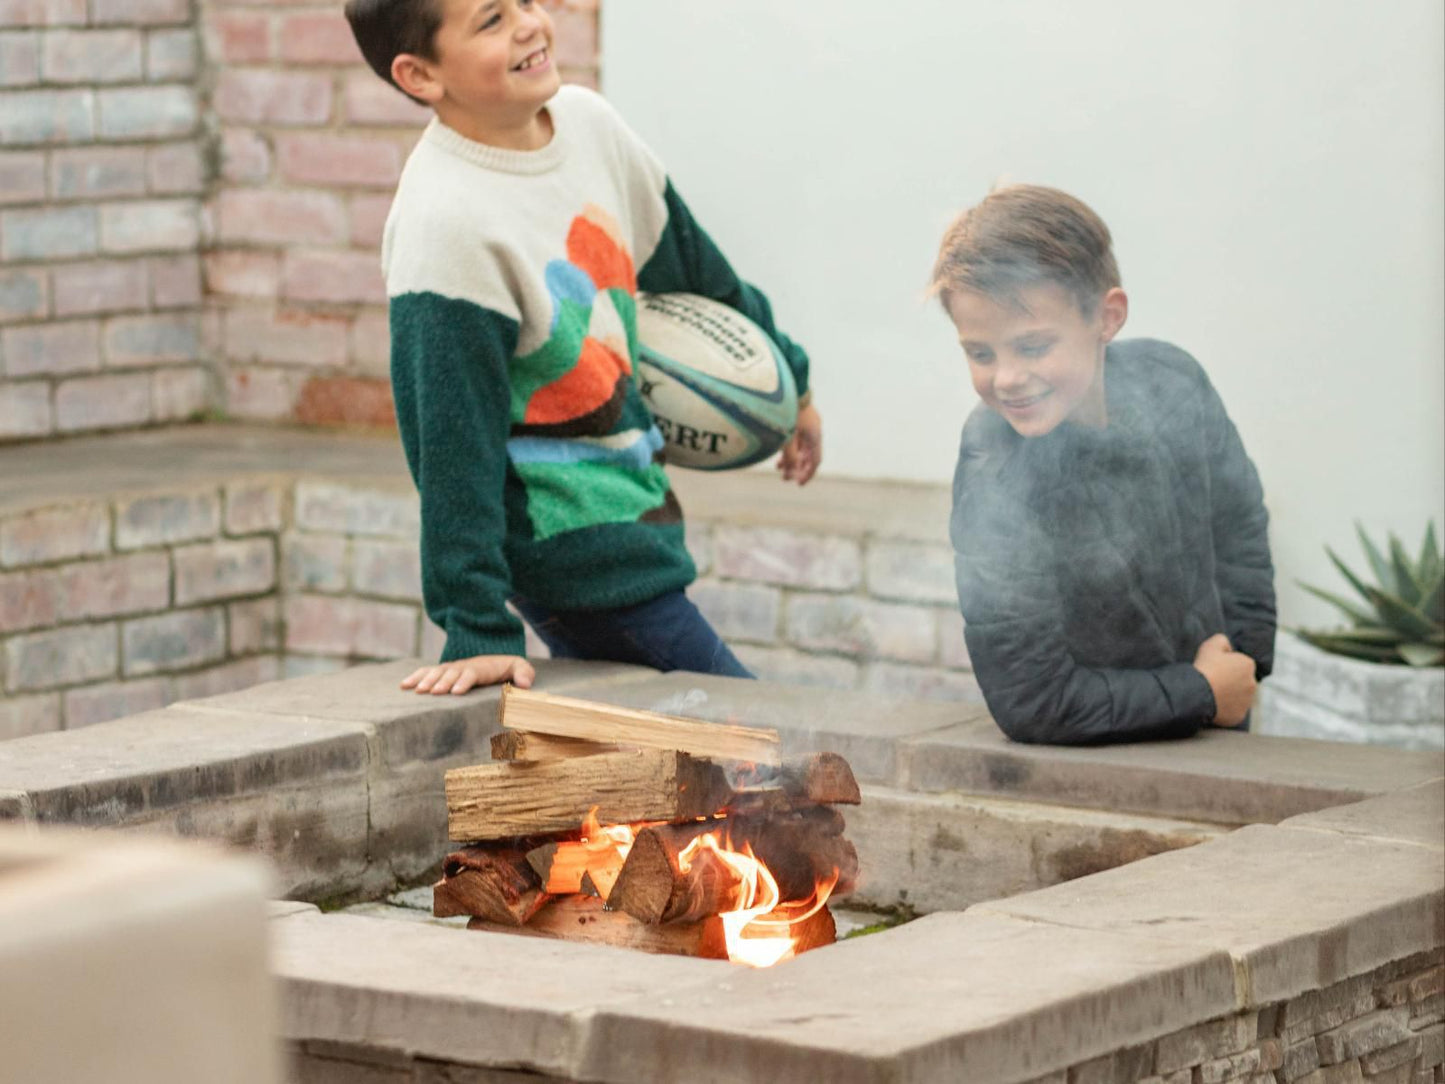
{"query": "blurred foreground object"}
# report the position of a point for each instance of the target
(130, 960)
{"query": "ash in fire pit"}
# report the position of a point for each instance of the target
(648, 831)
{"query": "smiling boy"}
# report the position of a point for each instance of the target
(1109, 529)
(526, 221)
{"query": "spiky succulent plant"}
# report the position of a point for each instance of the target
(1403, 616)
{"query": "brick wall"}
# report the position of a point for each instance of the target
(190, 211)
(110, 608)
(1386, 1027)
(102, 172)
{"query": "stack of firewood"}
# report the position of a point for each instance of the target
(638, 829)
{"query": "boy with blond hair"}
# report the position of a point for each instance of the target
(526, 221)
(1109, 529)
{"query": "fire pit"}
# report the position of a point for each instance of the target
(709, 845)
(1096, 914)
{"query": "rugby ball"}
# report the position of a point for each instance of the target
(720, 389)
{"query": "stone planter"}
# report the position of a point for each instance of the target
(1313, 694)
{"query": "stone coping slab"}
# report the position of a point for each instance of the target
(119, 771)
(300, 731)
(1413, 815)
(864, 728)
(1215, 776)
(947, 998)
(460, 995)
(410, 726)
(1296, 909)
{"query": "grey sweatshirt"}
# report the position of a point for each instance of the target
(1092, 563)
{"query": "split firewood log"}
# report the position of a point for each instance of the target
(801, 849)
(819, 778)
(517, 798)
(562, 865)
(583, 919)
(567, 717)
(494, 883)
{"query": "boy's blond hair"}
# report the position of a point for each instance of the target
(1023, 235)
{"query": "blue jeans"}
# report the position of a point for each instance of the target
(668, 633)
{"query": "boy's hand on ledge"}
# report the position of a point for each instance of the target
(1230, 674)
(801, 455)
(463, 675)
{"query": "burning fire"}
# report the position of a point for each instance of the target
(758, 929)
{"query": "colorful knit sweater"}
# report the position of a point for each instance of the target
(513, 278)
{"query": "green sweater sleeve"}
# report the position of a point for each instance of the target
(688, 261)
(449, 372)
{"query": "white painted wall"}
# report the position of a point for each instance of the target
(1272, 173)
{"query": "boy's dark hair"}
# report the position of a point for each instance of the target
(384, 29)
(1024, 235)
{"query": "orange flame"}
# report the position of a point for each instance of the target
(750, 937)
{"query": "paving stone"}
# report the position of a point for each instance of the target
(228, 677)
(254, 507)
(1427, 1012)
(208, 571)
(1320, 1010)
(1205, 1042)
(783, 664)
(1271, 1054)
(114, 700)
(1412, 815)
(740, 611)
(1300, 1059)
(55, 534)
(72, 655)
(1432, 1046)
(312, 562)
(1127, 1066)
(1211, 776)
(254, 625)
(21, 716)
(453, 995)
(351, 510)
(1268, 1021)
(1232, 1067)
(948, 852)
(387, 569)
(862, 728)
(862, 627)
(1391, 1057)
(350, 627)
(1006, 1000)
(911, 572)
(786, 558)
(173, 641)
(115, 586)
(166, 520)
(1353, 905)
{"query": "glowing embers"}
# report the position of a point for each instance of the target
(746, 876)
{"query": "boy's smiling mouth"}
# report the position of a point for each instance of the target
(1024, 402)
(534, 61)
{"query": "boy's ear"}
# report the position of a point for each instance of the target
(414, 76)
(1114, 310)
